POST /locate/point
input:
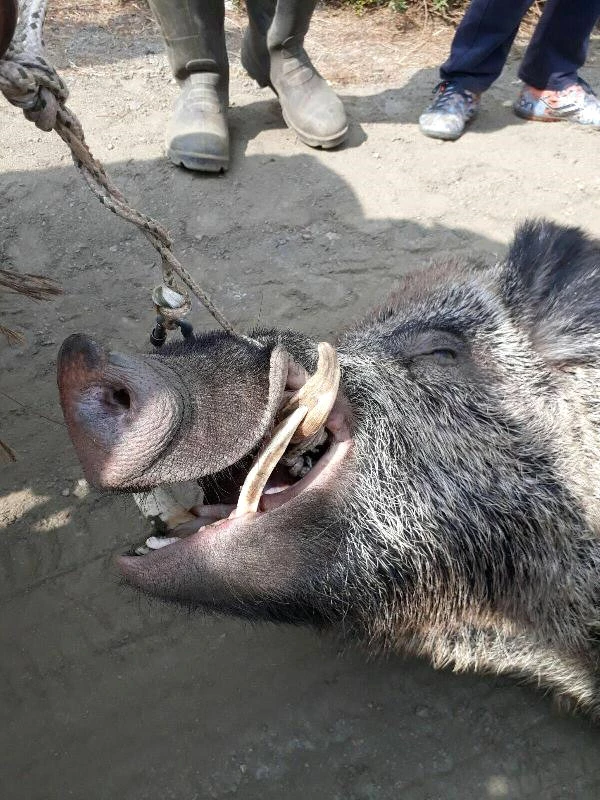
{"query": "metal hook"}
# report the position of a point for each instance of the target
(158, 335)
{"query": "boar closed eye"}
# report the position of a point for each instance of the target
(442, 356)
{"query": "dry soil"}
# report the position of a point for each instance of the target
(105, 696)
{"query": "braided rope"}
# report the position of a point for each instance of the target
(29, 82)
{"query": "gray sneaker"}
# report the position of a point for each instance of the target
(449, 112)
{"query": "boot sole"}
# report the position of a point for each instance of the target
(327, 143)
(312, 141)
(198, 162)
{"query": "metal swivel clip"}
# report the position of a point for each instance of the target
(171, 306)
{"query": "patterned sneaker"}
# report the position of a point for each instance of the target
(449, 112)
(576, 103)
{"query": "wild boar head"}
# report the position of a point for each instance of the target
(451, 503)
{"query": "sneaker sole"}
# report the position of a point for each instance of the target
(532, 118)
(444, 135)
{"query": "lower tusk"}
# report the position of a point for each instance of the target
(318, 394)
(264, 465)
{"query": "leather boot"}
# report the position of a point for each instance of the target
(197, 135)
(273, 54)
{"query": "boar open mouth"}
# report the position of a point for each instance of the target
(255, 416)
(284, 485)
(310, 437)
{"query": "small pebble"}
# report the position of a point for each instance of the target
(423, 712)
(82, 489)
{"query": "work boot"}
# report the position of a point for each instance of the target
(273, 54)
(197, 136)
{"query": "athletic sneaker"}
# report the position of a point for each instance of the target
(451, 109)
(576, 103)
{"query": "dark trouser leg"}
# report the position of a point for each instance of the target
(255, 53)
(482, 43)
(273, 54)
(558, 47)
(197, 136)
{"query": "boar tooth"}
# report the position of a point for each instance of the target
(318, 394)
(264, 465)
(156, 542)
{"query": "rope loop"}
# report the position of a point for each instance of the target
(44, 115)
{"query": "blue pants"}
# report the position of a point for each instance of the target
(558, 47)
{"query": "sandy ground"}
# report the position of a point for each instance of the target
(105, 696)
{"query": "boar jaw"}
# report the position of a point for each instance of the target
(234, 395)
(219, 563)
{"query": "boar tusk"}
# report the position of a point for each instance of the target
(318, 394)
(265, 463)
(304, 414)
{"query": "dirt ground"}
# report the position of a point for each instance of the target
(105, 696)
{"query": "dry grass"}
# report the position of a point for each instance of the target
(122, 16)
(350, 41)
(36, 287)
(125, 16)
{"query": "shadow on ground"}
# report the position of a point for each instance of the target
(108, 696)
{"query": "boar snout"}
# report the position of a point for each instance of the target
(121, 411)
(195, 409)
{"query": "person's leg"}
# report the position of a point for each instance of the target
(197, 136)
(553, 90)
(273, 54)
(559, 44)
(477, 55)
(482, 42)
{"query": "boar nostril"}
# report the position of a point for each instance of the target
(117, 398)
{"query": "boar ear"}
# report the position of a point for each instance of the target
(552, 285)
